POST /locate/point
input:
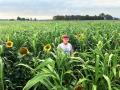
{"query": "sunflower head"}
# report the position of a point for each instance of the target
(47, 48)
(78, 87)
(23, 51)
(9, 44)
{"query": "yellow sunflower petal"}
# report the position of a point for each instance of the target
(9, 44)
(47, 48)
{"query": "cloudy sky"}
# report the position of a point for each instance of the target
(45, 9)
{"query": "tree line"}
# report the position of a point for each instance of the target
(101, 16)
(26, 19)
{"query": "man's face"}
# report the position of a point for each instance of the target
(65, 40)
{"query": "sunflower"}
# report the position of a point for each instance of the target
(9, 44)
(23, 51)
(47, 48)
(78, 87)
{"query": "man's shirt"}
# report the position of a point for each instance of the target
(66, 48)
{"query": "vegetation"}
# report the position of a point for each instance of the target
(26, 19)
(102, 16)
(32, 62)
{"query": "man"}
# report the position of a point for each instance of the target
(65, 45)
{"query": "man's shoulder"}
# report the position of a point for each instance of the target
(69, 44)
(61, 44)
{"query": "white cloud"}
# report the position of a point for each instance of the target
(48, 8)
(107, 3)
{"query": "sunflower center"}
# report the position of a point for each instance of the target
(47, 47)
(23, 51)
(9, 43)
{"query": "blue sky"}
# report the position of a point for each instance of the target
(45, 9)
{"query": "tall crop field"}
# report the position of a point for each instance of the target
(29, 59)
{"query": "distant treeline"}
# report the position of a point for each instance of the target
(101, 16)
(26, 19)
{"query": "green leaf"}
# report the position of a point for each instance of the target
(25, 65)
(119, 73)
(94, 87)
(1, 49)
(110, 58)
(48, 61)
(108, 82)
(114, 71)
(81, 80)
(1, 75)
(68, 72)
(39, 78)
(97, 68)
